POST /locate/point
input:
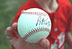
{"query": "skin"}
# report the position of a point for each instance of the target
(48, 5)
(68, 39)
(19, 43)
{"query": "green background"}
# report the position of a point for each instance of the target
(8, 9)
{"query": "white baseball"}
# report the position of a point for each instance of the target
(33, 25)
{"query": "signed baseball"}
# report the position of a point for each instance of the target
(33, 25)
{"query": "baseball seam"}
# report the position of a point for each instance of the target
(35, 31)
(35, 13)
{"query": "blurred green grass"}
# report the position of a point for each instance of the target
(8, 9)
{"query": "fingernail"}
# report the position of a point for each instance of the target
(8, 29)
(44, 43)
(47, 42)
(14, 26)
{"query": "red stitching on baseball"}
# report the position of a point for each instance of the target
(35, 13)
(34, 31)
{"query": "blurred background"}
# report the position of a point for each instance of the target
(8, 9)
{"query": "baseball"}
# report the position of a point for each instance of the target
(33, 25)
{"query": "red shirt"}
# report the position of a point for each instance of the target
(61, 21)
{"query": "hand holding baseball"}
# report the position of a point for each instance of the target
(21, 44)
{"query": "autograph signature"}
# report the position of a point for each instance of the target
(42, 21)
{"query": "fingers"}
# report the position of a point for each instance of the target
(10, 36)
(8, 33)
(14, 28)
(44, 43)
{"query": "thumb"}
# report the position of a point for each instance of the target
(44, 43)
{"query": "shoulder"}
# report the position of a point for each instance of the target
(65, 3)
(27, 5)
(65, 7)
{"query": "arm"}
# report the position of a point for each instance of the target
(68, 39)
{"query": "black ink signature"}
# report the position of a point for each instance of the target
(42, 21)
